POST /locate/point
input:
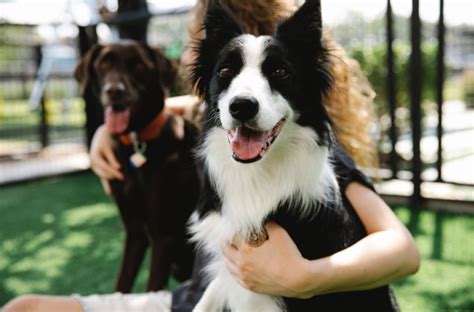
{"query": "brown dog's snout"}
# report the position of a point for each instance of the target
(115, 90)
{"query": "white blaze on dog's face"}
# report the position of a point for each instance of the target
(255, 87)
(250, 83)
(251, 112)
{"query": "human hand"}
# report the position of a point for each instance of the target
(274, 268)
(103, 161)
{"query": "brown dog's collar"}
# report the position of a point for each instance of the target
(152, 131)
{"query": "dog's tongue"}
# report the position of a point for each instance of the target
(246, 143)
(116, 122)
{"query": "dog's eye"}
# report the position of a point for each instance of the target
(225, 72)
(280, 73)
(105, 64)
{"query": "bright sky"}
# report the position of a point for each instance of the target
(456, 11)
(334, 11)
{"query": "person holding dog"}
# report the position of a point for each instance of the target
(386, 254)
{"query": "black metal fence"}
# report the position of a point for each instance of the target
(38, 99)
(464, 45)
(40, 107)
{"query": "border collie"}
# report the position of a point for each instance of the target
(266, 155)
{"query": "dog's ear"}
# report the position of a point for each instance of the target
(84, 71)
(302, 35)
(168, 70)
(304, 28)
(220, 27)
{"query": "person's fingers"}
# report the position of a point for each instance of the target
(106, 186)
(235, 245)
(274, 229)
(101, 173)
(113, 165)
(112, 160)
(104, 170)
(232, 268)
(272, 226)
(103, 160)
(231, 253)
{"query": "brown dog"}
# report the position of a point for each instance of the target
(160, 188)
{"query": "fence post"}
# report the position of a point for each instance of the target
(391, 89)
(43, 129)
(439, 87)
(415, 102)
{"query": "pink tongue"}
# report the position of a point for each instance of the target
(116, 122)
(247, 144)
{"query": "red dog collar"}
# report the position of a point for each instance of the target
(152, 131)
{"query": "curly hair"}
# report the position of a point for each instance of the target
(258, 17)
(349, 103)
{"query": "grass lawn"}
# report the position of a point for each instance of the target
(63, 236)
(17, 113)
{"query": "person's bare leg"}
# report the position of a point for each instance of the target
(34, 303)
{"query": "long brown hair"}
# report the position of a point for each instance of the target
(349, 103)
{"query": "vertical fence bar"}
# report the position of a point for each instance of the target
(391, 90)
(439, 87)
(415, 101)
(43, 130)
(43, 126)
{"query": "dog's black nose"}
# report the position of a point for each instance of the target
(243, 108)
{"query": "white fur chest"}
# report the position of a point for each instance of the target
(295, 169)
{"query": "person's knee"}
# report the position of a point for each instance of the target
(25, 303)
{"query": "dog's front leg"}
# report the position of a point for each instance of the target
(212, 300)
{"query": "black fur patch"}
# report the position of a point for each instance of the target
(220, 27)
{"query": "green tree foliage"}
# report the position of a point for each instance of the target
(373, 61)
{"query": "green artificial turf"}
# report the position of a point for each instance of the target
(59, 236)
(445, 281)
(64, 236)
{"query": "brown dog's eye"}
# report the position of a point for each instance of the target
(225, 72)
(105, 64)
(280, 73)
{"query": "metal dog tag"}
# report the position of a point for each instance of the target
(137, 160)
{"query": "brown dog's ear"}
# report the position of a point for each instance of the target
(83, 70)
(168, 70)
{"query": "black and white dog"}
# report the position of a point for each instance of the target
(266, 154)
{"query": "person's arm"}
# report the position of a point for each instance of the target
(386, 254)
(103, 161)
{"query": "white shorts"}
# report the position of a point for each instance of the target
(146, 302)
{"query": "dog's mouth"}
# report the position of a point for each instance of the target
(249, 145)
(117, 119)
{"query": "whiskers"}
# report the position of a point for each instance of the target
(212, 118)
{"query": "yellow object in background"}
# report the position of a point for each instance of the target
(2, 108)
(49, 106)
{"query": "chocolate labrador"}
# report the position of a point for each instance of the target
(154, 148)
